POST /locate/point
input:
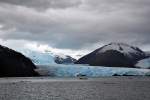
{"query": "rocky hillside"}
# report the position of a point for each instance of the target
(14, 64)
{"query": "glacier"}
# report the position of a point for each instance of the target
(47, 57)
(39, 58)
(144, 63)
(62, 70)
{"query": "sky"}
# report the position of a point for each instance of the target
(74, 27)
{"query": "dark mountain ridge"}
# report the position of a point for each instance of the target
(112, 58)
(14, 64)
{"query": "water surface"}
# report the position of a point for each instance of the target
(93, 88)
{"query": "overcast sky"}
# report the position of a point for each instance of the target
(74, 26)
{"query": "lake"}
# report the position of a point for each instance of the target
(73, 88)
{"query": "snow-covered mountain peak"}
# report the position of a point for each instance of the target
(121, 47)
(48, 51)
(51, 53)
(60, 55)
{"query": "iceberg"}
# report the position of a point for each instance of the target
(62, 70)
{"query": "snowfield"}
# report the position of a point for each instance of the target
(61, 70)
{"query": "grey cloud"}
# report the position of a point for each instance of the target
(92, 23)
(42, 5)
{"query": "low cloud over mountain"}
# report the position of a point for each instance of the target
(75, 24)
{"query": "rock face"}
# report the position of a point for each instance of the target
(14, 64)
(130, 55)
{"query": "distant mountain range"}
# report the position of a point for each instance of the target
(14, 64)
(114, 55)
(48, 57)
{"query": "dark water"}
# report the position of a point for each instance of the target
(102, 88)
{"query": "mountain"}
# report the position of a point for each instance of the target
(64, 59)
(47, 57)
(14, 64)
(112, 58)
(131, 54)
